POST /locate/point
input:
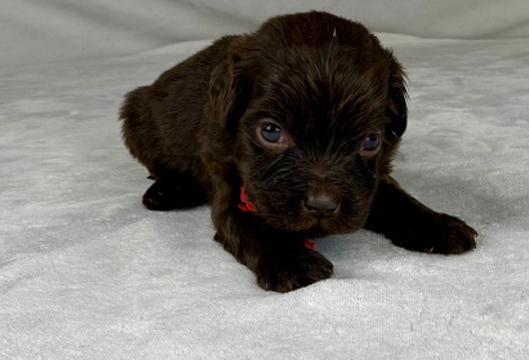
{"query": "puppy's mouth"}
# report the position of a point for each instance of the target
(314, 227)
(311, 225)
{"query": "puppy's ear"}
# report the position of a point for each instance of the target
(397, 110)
(229, 93)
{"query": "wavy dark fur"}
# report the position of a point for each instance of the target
(329, 84)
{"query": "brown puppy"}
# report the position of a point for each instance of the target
(288, 133)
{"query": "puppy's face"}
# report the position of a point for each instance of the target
(316, 116)
(310, 175)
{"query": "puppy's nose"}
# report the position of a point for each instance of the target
(321, 205)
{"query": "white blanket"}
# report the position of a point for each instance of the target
(87, 273)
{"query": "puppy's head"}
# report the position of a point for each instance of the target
(312, 108)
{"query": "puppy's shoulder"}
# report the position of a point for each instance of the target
(200, 65)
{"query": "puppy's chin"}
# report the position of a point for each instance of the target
(311, 227)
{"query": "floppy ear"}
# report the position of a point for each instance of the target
(228, 93)
(397, 110)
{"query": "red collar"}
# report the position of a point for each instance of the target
(246, 205)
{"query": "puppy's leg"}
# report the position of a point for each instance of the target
(280, 260)
(412, 225)
(173, 191)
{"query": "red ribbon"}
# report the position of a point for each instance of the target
(246, 205)
(309, 244)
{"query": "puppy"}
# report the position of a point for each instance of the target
(288, 133)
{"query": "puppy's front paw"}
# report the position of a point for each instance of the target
(440, 234)
(287, 272)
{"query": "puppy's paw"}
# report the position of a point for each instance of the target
(166, 195)
(287, 272)
(441, 234)
(159, 197)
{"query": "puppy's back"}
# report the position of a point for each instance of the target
(161, 121)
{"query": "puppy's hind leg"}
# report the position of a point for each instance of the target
(174, 191)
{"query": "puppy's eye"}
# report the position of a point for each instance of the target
(370, 146)
(271, 133)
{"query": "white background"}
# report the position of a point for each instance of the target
(43, 30)
(87, 273)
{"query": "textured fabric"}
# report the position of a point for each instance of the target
(87, 273)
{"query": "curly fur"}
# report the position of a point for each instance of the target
(329, 84)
